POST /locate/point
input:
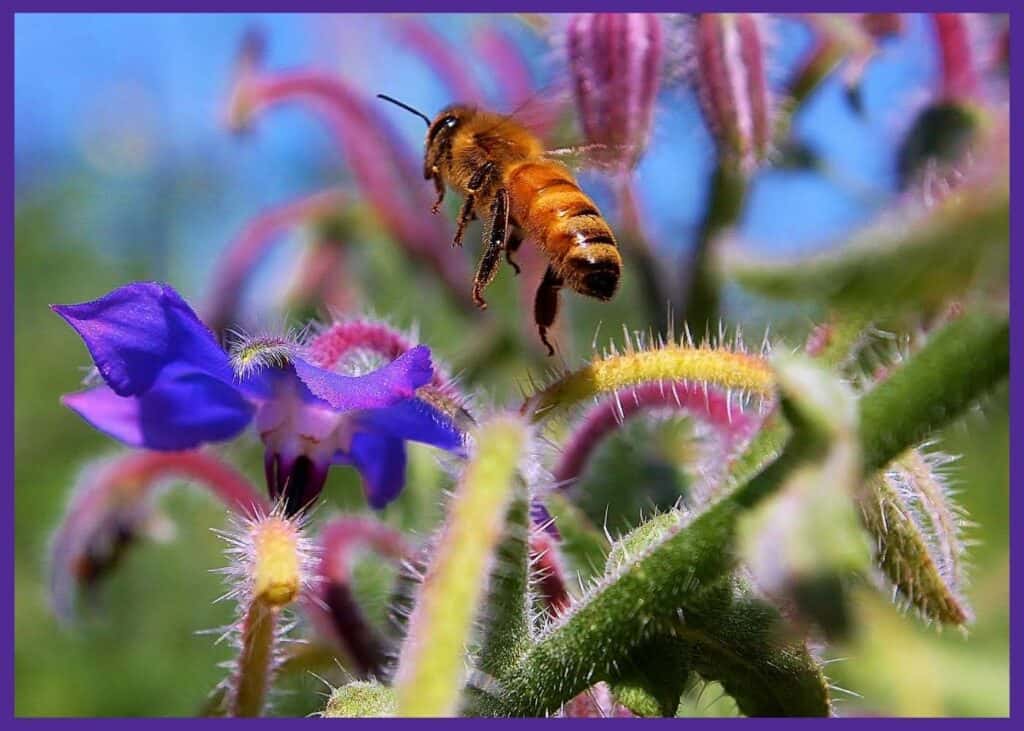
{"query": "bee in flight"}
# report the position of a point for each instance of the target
(501, 170)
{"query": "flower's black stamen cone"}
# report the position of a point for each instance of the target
(299, 489)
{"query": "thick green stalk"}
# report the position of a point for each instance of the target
(651, 681)
(958, 365)
(432, 661)
(725, 205)
(506, 625)
(743, 643)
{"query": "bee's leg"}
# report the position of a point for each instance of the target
(480, 176)
(494, 241)
(515, 240)
(545, 306)
(439, 187)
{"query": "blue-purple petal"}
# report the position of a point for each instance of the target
(381, 462)
(182, 410)
(137, 330)
(414, 420)
(385, 386)
(543, 519)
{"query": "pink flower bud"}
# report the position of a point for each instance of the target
(731, 85)
(615, 60)
(960, 79)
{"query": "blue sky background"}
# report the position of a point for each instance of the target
(129, 106)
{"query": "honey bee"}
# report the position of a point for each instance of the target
(500, 168)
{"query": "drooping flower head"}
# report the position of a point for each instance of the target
(615, 60)
(168, 385)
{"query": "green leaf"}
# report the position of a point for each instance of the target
(908, 510)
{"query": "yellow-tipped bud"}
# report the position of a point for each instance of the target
(276, 561)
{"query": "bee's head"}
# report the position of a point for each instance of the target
(439, 134)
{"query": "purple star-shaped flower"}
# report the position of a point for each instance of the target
(170, 386)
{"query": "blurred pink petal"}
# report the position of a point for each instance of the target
(450, 66)
(960, 80)
(249, 248)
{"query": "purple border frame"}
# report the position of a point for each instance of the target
(7, 287)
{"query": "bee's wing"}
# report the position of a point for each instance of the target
(543, 113)
(550, 115)
(583, 156)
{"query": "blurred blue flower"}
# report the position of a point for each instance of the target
(170, 386)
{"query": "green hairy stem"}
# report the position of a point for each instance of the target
(666, 588)
(248, 692)
(506, 626)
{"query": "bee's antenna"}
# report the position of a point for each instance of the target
(406, 107)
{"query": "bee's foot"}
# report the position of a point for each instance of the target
(513, 264)
(544, 339)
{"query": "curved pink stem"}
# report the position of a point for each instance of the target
(334, 610)
(251, 246)
(752, 53)
(109, 509)
(507, 62)
(381, 164)
(320, 279)
(549, 572)
(449, 66)
(710, 405)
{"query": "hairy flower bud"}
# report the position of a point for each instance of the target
(275, 566)
(615, 60)
(271, 564)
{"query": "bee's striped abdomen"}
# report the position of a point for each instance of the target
(549, 205)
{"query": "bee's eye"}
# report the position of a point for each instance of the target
(445, 123)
